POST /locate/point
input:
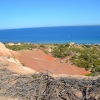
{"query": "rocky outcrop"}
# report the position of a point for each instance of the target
(4, 51)
(44, 87)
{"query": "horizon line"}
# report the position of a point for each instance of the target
(47, 27)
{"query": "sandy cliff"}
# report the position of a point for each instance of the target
(4, 51)
(7, 60)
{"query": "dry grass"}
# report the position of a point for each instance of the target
(42, 86)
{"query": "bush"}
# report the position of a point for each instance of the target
(61, 51)
(23, 64)
(96, 71)
(96, 63)
(21, 47)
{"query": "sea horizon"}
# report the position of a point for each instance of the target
(53, 35)
(47, 27)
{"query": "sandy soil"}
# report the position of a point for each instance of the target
(6, 98)
(8, 61)
(14, 65)
(39, 61)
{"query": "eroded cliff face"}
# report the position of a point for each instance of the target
(4, 51)
(44, 87)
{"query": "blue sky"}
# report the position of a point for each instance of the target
(45, 13)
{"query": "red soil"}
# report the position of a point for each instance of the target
(37, 60)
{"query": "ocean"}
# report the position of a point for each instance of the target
(76, 34)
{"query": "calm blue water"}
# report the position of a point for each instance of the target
(77, 34)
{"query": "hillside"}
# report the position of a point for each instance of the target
(22, 77)
(39, 57)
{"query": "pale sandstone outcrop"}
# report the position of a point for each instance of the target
(4, 51)
(7, 60)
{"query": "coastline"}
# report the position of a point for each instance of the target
(48, 43)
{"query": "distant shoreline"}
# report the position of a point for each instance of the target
(52, 43)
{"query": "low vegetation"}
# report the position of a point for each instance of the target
(23, 46)
(84, 56)
(28, 46)
(61, 51)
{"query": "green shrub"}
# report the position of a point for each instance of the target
(23, 64)
(21, 47)
(96, 63)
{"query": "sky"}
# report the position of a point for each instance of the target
(48, 13)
